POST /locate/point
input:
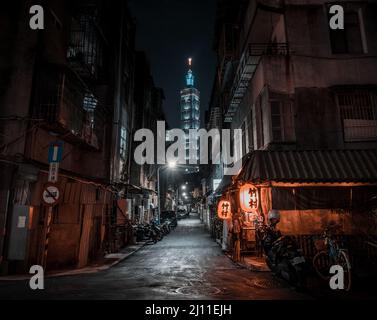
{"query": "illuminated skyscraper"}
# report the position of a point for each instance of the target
(190, 108)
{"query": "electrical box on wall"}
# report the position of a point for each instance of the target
(18, 232)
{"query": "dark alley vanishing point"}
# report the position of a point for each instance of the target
(187, 264)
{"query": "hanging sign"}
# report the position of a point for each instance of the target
(224, 210)
(249, 198)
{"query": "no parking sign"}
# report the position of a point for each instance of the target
(51, 194)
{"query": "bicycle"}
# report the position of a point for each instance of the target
(329, 254)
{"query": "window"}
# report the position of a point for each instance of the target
(85, 51)
(123, 143)
(89, 105)
(282, 123)
(358, 112)
(348, 40)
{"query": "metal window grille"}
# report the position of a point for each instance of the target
(85, 50)
(358, 110)
(123, 142)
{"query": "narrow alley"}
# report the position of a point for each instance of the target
(185, 264)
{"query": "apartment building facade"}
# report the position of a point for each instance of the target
(148, 110)
(304, 96)
(71, 84)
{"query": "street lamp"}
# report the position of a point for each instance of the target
(183, 187)
(171, 165)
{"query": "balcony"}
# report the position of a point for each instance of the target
(68, 108)
(246, 69)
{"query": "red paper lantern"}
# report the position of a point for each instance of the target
(224, 210)
(249, 198)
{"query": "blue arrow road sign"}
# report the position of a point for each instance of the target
(55, 152)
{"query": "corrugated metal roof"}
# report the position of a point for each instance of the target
(310, 166)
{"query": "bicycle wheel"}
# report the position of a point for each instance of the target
(344, 262)
(321, 264)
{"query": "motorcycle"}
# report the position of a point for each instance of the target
(283, 256)
(157, 230)
(152, 234)
(166, 227)
(149, 233)
(145, 232)
(139, 231)
(268, 234)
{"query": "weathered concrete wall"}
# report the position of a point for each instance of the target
(313, 64)
(317, 120)
(17, 56)
(76, 158)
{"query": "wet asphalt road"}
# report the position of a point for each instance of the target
(186, 264)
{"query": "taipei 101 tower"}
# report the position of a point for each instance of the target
(190, 109)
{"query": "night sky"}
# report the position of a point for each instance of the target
(170, 31)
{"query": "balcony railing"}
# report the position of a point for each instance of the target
(67, 106)
(246, 69)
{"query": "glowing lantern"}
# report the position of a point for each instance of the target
(224, 210)
(249, 199)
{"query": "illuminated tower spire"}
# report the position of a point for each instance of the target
(190, 112)
(189, 76)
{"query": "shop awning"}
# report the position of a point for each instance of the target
(132, 189)
(352, 166)
(225, 184)
(149, 191)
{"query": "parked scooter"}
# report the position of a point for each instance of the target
(139, 231)
(283, 256)
(165, 226)
(152, 234)
(145, 232)
(159, 233)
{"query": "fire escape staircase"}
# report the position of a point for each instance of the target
(245, 72)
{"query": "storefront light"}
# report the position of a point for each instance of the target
(249, 198)
(224, 210)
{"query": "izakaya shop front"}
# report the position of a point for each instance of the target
(239, 208)
(310, 189)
